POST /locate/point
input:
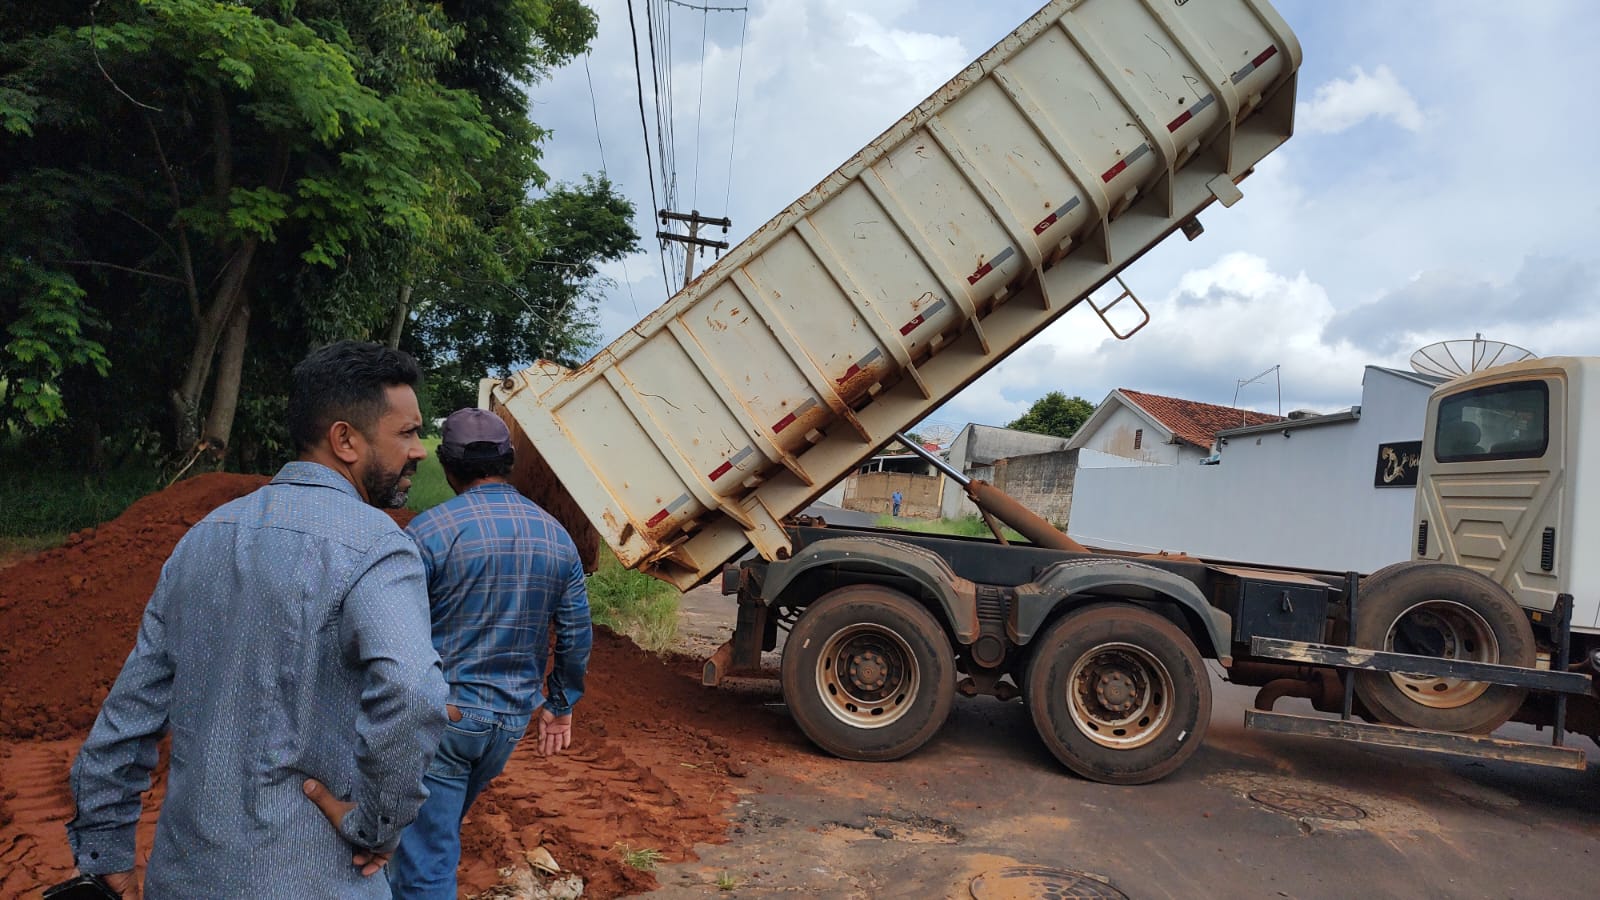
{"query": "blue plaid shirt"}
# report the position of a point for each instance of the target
(501, 573)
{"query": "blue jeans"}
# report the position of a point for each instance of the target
(472, 753)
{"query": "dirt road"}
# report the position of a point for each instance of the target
(1249, 816)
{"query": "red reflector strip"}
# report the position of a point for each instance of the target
(657, 519)
(853, 371)
(1115, 170)
(721, 470)
(1177, 123)
(977, 276)
(1044, 226)
(784, 422)
(1266, 54)
(911, 326)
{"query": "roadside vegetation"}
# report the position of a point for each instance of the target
(634, 604)
(968, 526)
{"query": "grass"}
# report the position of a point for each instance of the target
(428, 487)
(634, 604)
(970, 526)
(644, 858)
(42, 504)
(726, 882)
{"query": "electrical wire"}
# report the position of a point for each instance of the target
(594, 108)
(638, 78)
(700, 109)
(733, 140)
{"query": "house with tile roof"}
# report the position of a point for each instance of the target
(1157, 429)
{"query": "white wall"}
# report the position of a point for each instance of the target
(1305, 500)
(1115, 435)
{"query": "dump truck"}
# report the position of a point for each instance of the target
(1017, 192)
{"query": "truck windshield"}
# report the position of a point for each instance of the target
(1503, 421)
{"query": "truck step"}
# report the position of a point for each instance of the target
(1473, 745)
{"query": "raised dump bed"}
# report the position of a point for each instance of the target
(1086, 136)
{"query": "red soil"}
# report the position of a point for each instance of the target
(651, 764)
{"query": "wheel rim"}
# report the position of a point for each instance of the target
(1119, 695)
(1448, 630)
(867, 676)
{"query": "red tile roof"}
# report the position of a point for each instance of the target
(1196, 423)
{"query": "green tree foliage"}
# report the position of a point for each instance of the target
(547, 312)
(1055, 413)
(199, 191)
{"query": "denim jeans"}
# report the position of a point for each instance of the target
(473, 752)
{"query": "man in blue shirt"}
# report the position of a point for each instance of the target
(287, 650)
(501, 574)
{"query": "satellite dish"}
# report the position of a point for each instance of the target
(1453, 359)
(941, 433)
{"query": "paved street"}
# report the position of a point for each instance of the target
(1250, 816)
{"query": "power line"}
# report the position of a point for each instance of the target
(703, 8)
(700, 109)
(594, 108)
(738, 81)
(638, 78)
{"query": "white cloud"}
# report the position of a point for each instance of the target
(1346, 102)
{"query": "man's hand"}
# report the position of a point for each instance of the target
(555, 732)
(370, 862)
(123, 883)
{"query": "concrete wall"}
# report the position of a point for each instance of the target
(1042, 482)
(872, 493)
(1303, 500)
(975, 450)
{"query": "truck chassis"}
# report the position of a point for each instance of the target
(1105, 648)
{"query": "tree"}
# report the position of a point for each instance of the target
(547, 312)
(199, 191)
(1055, 413)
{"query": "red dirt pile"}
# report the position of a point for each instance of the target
(652, 764)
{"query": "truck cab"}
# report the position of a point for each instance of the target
(1500, 488)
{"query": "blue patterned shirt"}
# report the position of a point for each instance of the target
(286, 639)
(501, 573)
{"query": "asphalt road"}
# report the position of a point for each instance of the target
(1250, 815)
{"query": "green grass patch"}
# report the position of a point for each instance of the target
(45, 504)
(428, 487)
(644, 859)
(970, 526)
(632, 603)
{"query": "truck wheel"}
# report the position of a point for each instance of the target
(1119, 694)
(1451, 613)
(868, 673)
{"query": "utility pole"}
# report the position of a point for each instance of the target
(693, 238)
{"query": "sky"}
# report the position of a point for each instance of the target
(1438, 185)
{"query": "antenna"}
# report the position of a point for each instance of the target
(1453, 359)
(941, 433)
(1276, 373)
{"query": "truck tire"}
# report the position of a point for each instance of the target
(1449, 612)
(868, 673)
(1119, 694)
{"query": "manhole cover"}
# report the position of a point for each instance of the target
(1041, 883)
(1306, 805)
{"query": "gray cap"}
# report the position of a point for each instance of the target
(466, 427)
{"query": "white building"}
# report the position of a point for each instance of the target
(1317, 492)
(1156, 429)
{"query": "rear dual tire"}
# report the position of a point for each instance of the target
(1119, 694)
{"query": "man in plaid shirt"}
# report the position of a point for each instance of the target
(501, 574)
